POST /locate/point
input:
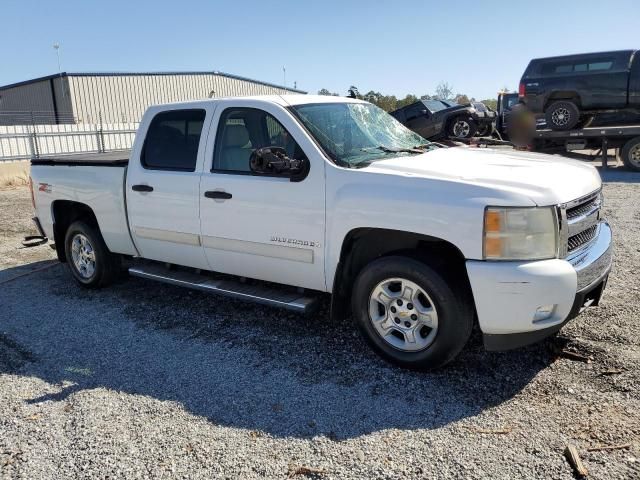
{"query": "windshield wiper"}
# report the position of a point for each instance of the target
(392, 150)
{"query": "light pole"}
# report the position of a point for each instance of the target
(284, 76)
(56, 47)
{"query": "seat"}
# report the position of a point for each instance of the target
(236, 149)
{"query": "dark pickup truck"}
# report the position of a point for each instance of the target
(436, 119)
(573, 88)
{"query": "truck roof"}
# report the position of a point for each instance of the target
(573, 55)
(283, 100)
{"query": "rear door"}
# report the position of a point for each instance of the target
(163, 185)
(263, 227)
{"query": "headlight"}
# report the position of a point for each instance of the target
(520, 233)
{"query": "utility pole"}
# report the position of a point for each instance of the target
(56, 47)
(284, 75)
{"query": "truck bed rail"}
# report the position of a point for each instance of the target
(107, 159)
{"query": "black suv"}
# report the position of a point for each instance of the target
(442, 118)
(572, 88)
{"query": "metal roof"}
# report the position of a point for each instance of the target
(116, 74)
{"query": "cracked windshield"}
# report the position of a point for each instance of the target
(356, 134)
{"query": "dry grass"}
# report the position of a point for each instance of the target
(14, 174)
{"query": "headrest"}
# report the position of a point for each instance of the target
(236, 136)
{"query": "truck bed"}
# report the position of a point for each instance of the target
(108, 159)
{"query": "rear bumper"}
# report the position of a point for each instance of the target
(510, 295)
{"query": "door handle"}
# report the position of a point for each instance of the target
(218, 194)
(142, 188)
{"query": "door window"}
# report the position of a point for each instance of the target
(415, 111)
(172, 140)
(241, 131)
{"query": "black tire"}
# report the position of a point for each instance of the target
(630, 154)
(107, 266)
(453, 306)
(468, 125)
(562, 115)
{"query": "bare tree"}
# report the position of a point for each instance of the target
(444, 91)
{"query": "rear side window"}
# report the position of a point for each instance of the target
(559, 68)
(600, 66)
(172, 140)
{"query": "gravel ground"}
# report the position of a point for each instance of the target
(148, 380)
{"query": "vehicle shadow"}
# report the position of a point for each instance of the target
(235, 364)
(618, 174)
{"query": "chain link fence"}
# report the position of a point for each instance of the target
(35, 139)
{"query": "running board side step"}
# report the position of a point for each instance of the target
(229, 287)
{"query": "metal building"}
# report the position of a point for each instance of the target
(116, 97)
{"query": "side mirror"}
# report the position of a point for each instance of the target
(274, 161)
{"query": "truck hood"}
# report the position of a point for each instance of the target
(545, 179)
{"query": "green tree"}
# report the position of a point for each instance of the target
(492, 103)
(408, 100)
(324, 91)
(354, 92)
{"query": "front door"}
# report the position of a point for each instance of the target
(163, 187)
(263, 227)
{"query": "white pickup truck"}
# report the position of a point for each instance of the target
(279, 199)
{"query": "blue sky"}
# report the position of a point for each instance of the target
(395, 47)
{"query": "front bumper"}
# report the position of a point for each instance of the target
(508, 294)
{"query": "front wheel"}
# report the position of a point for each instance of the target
(462, 127)
(90, 261)
(410, 314)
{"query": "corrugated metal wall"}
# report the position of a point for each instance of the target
(124, 98)
(21, 103)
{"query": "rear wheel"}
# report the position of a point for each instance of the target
(90, 261)
(630, 154)
(462, 127)
(410, 314)
(562, 115)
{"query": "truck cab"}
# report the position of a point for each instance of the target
(285, 199)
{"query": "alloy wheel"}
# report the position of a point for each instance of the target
(83, 256)
(403, 314)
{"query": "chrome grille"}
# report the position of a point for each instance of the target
(579, 223)
(583, 208)
(576, 241)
